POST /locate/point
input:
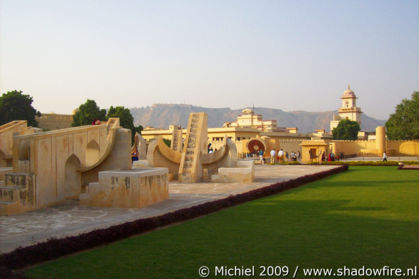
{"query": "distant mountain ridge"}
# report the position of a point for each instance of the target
(163, 115)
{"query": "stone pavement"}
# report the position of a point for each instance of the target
(70, 219)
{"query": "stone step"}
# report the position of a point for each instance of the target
(12, 187)
(6, 202)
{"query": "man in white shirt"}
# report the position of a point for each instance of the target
(281, 155)
(273, 153)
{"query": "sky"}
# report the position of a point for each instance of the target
(291, 55)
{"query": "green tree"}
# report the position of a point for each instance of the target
(403, 124)
(87, 113)
(16, 106)
(125, 118)
(167, 142)
(139, 129)
(346, 130)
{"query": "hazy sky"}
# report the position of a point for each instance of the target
(292, 55)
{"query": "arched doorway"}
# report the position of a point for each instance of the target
(3, 162)
(72, 184)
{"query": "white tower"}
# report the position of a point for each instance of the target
(348, 110)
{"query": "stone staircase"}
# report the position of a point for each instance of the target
(188, 164)
(177, 139)
(16, 191)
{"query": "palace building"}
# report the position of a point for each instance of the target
(248, 131)
(348, 109)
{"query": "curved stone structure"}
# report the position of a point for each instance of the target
(160, 155)
(50, 167)
(194, 163)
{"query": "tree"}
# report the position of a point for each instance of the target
(16, 106)
(403, 124)
(168, 142)
(346, 130)
(87, 113)
(125, 118)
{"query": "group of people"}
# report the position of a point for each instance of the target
(279, 156)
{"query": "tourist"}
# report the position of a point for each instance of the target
(298, 155)
(134, 154)
(329, 158)
(273, 153)
(384, 157)
(281, 155)
(261, 157)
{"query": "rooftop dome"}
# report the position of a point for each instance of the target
(247, 111)
(348, 93)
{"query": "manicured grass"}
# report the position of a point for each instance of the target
(366, 216)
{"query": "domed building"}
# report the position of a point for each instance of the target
(348, 110)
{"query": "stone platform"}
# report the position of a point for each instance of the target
(71, 219)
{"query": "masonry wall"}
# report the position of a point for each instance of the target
(55, 158)
(6, 139)
(52, 121)
(290, 145)
(354, 147)
(402, 148)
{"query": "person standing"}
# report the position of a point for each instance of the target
(273, 153)
(281, 155)
(384, 157)
(262, 162)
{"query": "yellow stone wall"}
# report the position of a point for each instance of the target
(52, 121)
(7, 131)
(61, 162)
(402, 148)
(354, 147)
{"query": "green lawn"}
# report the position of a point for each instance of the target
(366, 216)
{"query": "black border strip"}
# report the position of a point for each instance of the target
(55, 248)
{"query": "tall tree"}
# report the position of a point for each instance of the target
(87, 113)
(126, 119)
(403, 124)
(346, 130)
(16, 106)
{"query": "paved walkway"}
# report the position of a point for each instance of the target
(71, 219)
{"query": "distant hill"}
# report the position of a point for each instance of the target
(163, 115)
